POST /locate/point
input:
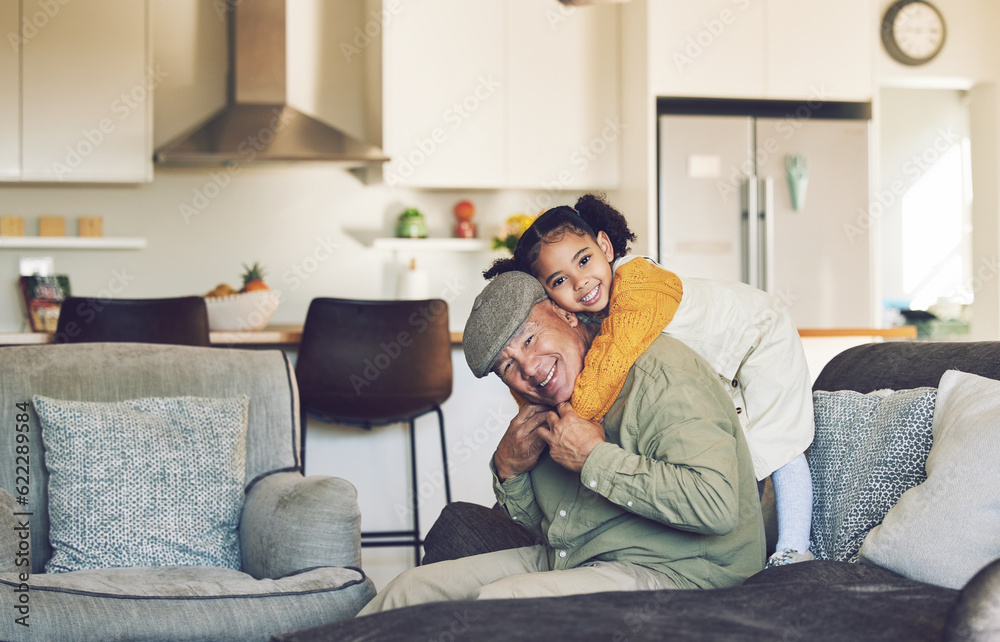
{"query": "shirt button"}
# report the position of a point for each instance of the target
(593, 483)
(739, 411)
(562, 553)
(562, 513)
(735, 383)
(514, 518)
(629, 502)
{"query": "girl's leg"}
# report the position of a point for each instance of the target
(793, 501)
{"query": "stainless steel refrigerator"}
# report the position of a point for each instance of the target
(726, 209)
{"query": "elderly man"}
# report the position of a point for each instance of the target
(661, 494)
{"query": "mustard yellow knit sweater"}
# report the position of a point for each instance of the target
(644, 298)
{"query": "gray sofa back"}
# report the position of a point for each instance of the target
(900, 365)
(120, 371)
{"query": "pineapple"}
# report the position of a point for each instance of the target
(253, 278)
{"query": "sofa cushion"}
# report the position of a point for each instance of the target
(828, 605)
(182, 603)
(868, 450)
(959, 498)
(144, 482)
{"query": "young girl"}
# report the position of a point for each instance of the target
(579, 257)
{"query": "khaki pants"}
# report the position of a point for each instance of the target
(518, 572)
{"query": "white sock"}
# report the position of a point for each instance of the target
(793, 501)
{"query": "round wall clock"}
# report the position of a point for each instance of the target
(913, 31)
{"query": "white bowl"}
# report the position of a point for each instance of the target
(249, 311)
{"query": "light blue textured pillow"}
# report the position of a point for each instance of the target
(144, 482)
(868, 450)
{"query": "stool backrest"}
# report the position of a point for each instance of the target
(176, 321)
(374, 362)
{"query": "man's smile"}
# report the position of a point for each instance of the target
(548, 378)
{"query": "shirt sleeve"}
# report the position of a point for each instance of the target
(687, 473)
(644, 298)
(516, 497)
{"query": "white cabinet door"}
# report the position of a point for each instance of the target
(709, 48)
(444, 94)
(563, 115)
(10, 93)
(775, 49)
(819, 50)
(87, 92)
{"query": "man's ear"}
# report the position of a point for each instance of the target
(604, 242)
(565, 315)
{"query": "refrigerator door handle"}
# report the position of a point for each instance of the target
(751, 232)
(765, 257)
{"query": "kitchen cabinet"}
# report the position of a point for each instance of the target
(84, 105)
(771, 49)
(500, 93)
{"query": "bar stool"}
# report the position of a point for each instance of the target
(372, 363)
(179, 321)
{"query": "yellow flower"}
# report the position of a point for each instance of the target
(511, 231)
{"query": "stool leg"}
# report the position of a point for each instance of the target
(444, 455)
(416, 494)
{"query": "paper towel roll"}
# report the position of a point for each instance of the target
(413, 284)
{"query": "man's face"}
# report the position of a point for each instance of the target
(542, 361)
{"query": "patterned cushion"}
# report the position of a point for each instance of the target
(144, 482)
(868, 450)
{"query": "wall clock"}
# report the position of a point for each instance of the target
(913, 31)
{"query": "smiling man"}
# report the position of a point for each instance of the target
(660, 494)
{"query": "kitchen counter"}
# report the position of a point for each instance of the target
(291, 335)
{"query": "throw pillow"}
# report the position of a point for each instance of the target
(868, 450)
(945, 530)
(144, 482)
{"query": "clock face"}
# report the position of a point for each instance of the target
(913, 31)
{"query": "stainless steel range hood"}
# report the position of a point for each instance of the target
(257, 125)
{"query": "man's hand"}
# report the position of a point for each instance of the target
(570, 437)
(521, 446)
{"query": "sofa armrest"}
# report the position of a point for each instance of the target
(8, 536)
(291, 523)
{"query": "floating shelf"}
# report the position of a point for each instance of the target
(432, 245)
(70, 243)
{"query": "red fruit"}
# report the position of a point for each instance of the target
(465, 210)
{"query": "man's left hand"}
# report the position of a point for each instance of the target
(570, 437)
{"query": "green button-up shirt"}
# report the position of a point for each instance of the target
(672, 487)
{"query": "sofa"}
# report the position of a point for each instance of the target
(155, 492)
(831, 598)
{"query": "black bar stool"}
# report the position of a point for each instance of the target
(178, 321)
(372, 363)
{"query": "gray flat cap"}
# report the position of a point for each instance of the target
(497, 315)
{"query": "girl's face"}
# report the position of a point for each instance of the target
(576, 271)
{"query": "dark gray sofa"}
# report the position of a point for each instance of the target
(818, 600)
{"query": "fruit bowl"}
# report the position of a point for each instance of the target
(248, 311)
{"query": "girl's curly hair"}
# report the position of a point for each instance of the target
(593, 214)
